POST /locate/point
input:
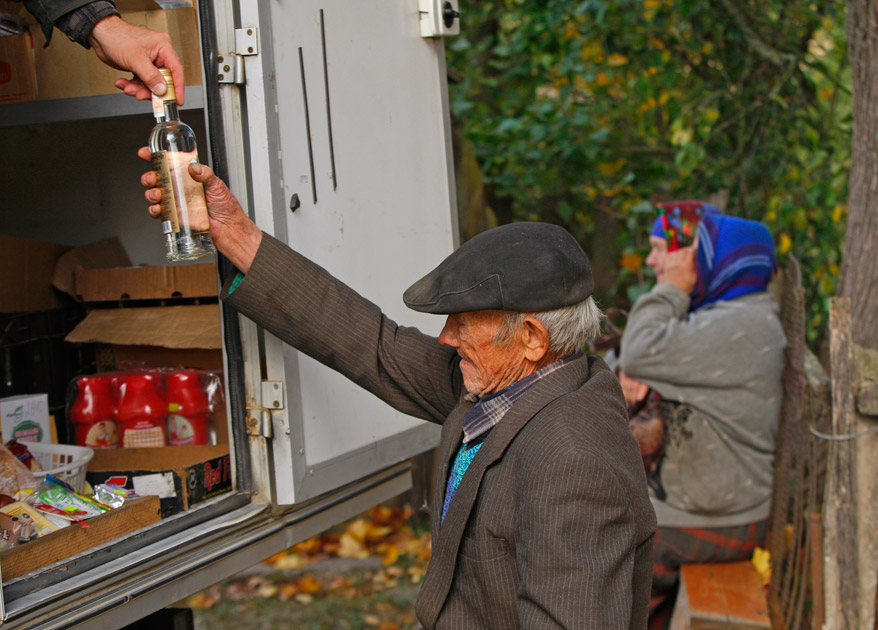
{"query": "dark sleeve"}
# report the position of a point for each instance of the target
(75, 18)
(303, 305)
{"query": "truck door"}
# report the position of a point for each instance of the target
(350, 162)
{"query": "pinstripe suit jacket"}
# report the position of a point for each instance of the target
(551, 526)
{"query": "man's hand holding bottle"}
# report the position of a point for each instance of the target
(232, 231)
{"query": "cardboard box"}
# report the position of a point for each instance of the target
(26, 418)
(26, 269)
(147, 283)
(67, 70)
(180, 327)
(133, 515)
(98, 255)
(17, 73)
(181, 476)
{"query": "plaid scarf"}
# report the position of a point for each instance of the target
(489, 410)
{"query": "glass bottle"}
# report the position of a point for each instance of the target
(184, 209)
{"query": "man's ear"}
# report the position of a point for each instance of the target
(535, 339)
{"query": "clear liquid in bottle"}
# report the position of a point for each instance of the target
(184, 217)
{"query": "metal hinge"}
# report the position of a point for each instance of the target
(230, 66)
(259, 420)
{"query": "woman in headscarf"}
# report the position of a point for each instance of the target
(708, 341)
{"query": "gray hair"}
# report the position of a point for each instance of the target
(570, 328)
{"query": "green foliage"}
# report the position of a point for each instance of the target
(589, 109)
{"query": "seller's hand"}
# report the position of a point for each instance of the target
(634, 391)
(140, 50)
(679, 268)
(232, 231)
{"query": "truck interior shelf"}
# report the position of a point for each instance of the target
(84, 108)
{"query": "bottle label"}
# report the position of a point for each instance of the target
(170, 218)
(183, 201)
(180, 431)
(102, 434)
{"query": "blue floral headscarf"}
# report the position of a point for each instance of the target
(734, 257)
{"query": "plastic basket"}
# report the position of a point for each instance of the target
(63, 461)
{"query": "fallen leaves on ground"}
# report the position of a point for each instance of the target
(384, 532)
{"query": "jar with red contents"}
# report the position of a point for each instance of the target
(188, 409)
(141, 411)
(92, 413)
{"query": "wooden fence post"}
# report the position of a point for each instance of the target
(840, 509)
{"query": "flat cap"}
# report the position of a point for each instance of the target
(526, 267)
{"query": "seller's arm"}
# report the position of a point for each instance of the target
(97, 24)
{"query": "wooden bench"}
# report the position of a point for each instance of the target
(720, 596)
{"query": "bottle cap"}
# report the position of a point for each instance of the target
(170, 95)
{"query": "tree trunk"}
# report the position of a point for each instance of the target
(859, 273)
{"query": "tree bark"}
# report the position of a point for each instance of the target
(859, 273)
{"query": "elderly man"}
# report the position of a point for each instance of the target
(541, 517)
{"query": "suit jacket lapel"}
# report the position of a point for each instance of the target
(447, 537)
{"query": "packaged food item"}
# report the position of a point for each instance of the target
(188, 409)
(58, 498)
(141, 411)
(28, 514)
(24, 455)
(10, 531)
(112, 495)
(13, 474)
(92, 412)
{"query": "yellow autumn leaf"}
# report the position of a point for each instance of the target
(837, 213)
(608, 169)
(652, 4)
(308, 584)
(617, 60)
(632, 262)
(681, 136)
(350, 547)
(711, 114)
(358, 529)
(266, 590)
(826, 94)
(371, 620)
(375, 533)
(286, 561)
(785, 243)
(602, 79)
(389, 554)
(762, 562)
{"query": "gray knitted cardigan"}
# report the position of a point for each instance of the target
(724, 363)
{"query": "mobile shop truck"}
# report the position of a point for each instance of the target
(329, 120)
